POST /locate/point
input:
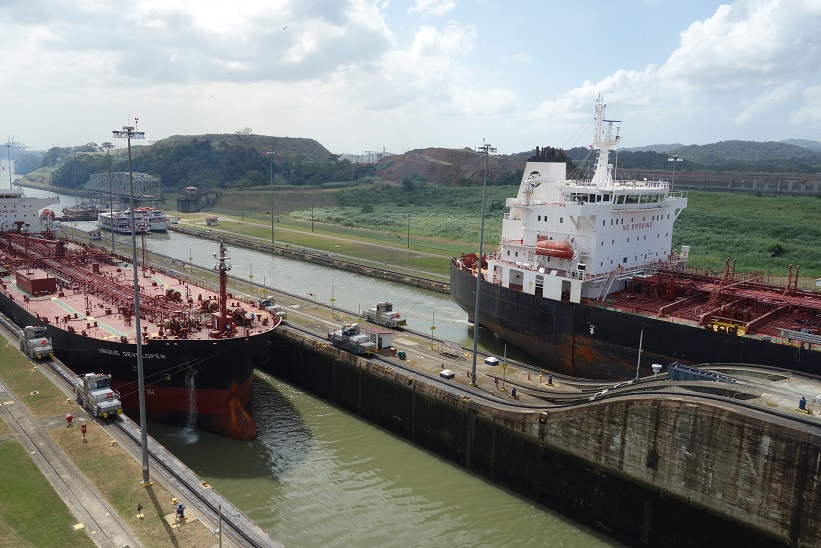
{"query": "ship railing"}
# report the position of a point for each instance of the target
(792, 335)
(639, 207)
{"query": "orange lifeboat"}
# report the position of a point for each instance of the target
(553, 248)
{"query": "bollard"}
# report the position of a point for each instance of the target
(550, 379)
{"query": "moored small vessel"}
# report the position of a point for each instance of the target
(85, 211)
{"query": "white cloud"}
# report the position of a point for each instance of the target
(346, 71)
(433, 7)
(753, 42)
(741, 68)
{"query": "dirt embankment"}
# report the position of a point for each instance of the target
(450, 166)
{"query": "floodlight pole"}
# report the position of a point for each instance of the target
(675, 159)
(129, 133)
(8, 155)
(108, 147)
(271, 154)
(485, 149)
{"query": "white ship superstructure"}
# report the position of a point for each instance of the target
(21, 212)
(575, 238)
(120, 222)
(156, 219)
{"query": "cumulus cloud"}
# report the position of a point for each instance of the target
(754, 42)
(433, 7)
(186, 42)
(749, 59)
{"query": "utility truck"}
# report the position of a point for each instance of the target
(268, 304)
(349, 338)
(384, 315)
(93, 391)
(35, 342)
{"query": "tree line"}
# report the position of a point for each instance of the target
(198, 162)
(236, 164)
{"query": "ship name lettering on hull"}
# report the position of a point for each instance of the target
(130, 354)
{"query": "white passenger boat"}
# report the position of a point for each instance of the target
(120, 222)
(156, 219)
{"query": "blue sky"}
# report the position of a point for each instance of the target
(360, 75)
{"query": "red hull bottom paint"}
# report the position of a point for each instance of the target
(223, 411)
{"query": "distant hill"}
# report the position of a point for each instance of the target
(461, 166)
(806, 143)
(452, 166)
(283, 147)
(767, 156)
(655, 148)
(240, 160)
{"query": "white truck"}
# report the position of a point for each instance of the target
(268, 304)
(35, 342)
(350, 338)
(383, 314)
(93, 391)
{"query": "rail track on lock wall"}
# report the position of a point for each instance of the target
(128, 432)
(604, 391)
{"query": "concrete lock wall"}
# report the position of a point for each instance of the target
(649, 471)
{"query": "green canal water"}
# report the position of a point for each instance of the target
(320, 477)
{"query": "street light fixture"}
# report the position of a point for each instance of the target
(770, 265)
(485, 149)
(129, 133)
(8, 154)
(675, 159)
(108, 146)
(270, 153)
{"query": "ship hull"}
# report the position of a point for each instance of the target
(204, 384)
(594, 342)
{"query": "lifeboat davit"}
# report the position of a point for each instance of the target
(554, 248)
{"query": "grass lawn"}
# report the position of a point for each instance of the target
(114, 473)
(31, 513)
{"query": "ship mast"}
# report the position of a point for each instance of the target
(604, 140)
(223, 267)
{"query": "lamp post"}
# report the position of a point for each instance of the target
(8, 155)
(312, 216)
(675, 159)
(108, 146)
(129, 133)
(270, 153)
(485, 149)
(770, 265)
